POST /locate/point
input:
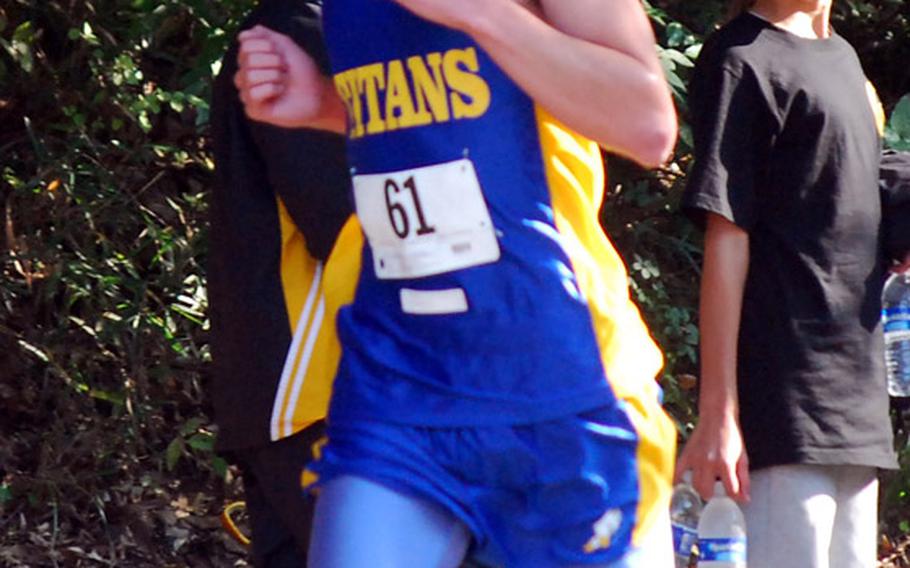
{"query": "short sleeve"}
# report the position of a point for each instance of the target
(732, 126)
(894, 181)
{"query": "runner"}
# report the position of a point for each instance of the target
(497, 383)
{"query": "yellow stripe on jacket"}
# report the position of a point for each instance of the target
(313, 354)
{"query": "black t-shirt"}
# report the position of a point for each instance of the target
(787, 147)
(256, 164)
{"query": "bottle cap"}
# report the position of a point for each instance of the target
(719, 490)
(687, 477)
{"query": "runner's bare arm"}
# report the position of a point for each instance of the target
(591, 63)
(280, 84)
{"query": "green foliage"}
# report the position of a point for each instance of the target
(878, 30)
(662, 248)
(897, 135)
(6, 494)
(895, 497)
(194, 441)
(103, 178)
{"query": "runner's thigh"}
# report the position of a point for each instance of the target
(362, 523)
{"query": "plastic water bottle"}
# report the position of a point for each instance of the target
(685, 510)
(896, 322)
(721, 533)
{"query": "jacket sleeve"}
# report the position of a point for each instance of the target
(307, 169)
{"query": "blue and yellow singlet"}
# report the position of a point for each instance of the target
(487, 291)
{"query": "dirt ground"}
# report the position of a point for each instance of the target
(175, 528)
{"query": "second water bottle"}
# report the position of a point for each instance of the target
(721, 533)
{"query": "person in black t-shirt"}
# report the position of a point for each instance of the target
(793, 403)
(281, 198)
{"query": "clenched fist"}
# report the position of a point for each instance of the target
(280, 84)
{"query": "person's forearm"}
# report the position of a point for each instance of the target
(332, 115)
(618, 98)
(723, 282)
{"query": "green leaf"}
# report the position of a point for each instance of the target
(655, 14)
(88, 34)
(115, 398)
(693, 51)
(678, 85)
(36, 351)
(897, 135)
(685, 134)
(144, 123)
(202, 441)
(174, 452)
(6, 493)
(678, 35)
(220, 466)
(191, 426)
(678, 58)
(24, 32)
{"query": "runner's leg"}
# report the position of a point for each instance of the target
(362, 523)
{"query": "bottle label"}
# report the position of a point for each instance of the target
(896, 319)
(722, 549)
(684, 538)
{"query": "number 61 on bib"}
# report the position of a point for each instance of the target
(425, 221)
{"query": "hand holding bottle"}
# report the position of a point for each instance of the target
(715, 450)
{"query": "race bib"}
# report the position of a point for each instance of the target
(425, 221)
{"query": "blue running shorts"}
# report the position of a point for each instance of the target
(562, 492)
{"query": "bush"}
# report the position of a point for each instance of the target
(102, 302)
